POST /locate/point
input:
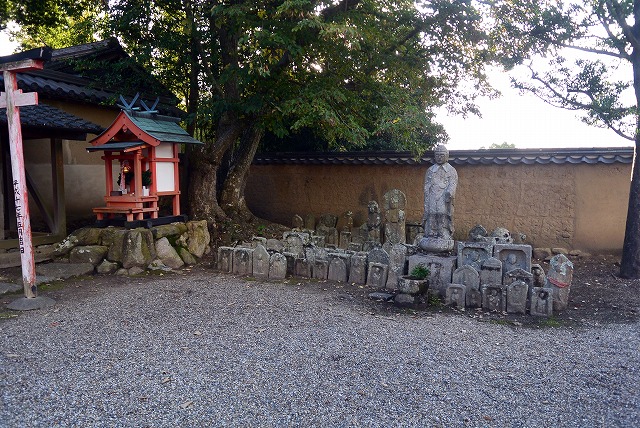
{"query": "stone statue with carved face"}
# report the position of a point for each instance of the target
(441, 181)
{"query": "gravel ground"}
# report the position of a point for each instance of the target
(206, 349)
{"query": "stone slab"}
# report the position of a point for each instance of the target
(320, 268)
(29, 304)
(225, 259)
(456, 295)
(494, 298)
(466, 275)
(64, 270)
(377, 275)
(358, 269)
(6, 287)
(277, 266)
(378, 295)
(517, 293)
(513, 256)
(474, 253)
(337, 270)
(260, 261)
(541, 302)
(242, 261)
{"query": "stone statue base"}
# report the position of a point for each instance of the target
(436, 245)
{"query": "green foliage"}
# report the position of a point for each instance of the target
(56, 24)
(420, 272)
(146, 178)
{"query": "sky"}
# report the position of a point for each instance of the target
(523, 120)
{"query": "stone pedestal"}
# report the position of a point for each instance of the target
(441, 270)
(436, 245)
(410, 285)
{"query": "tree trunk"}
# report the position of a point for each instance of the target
(630, 263)
(203, 197)
(232, 198)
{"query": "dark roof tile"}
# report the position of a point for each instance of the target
(607, 155)
(43, 116)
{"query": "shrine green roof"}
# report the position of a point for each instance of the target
(163, 128)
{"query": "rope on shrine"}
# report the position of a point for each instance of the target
(558, 283)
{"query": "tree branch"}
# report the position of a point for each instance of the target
(614, 8)
(579, 105)
(620, 45)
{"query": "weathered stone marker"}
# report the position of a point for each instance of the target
(559, 279)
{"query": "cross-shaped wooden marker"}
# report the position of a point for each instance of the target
(12, 99)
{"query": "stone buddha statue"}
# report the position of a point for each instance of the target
(440, 185)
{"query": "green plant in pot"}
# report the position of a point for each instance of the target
(146, 178)
(416, 282)
(420, 272)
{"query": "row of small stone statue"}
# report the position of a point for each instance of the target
(496, 277)
(376, 230)
(296, 255)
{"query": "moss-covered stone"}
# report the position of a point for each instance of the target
(169, 230)
(93, 254)
(186, 256)
(198, 237)
(114, 239)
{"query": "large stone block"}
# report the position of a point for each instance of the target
(167, 254)
(114, 239)
(198, 237)
(167, 230)
(138, 248)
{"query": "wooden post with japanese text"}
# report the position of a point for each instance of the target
(12, 99)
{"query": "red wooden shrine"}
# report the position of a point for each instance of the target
(134, 143)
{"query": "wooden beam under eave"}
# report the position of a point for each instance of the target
(57, 180)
